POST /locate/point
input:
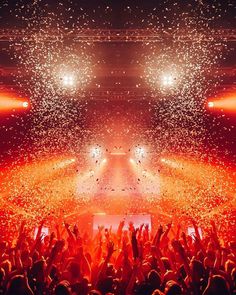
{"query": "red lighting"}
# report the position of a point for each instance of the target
(226, 103)
(9, 102)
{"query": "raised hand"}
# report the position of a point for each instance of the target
(100, 228)
(110, 249)
(134, 245)
(160, 230)
(131, 226)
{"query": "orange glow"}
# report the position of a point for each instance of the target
(214, 179)
(226, 103)
(118, 153)
(10, 102)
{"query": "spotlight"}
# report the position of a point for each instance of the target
(140, 153)
(211, 104)
(25, 104)
(104, 161)
(96, 153)
(167, 80)
(91, 173)
(68, 80)
(131, 161)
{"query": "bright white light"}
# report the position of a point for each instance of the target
(211, 104)
(25, 104)
(96, 153)
(104, 161)
(131, 161)
(65, 163)
(167, 80)
(140, 153)
(68, 80)
(171, 163)
(91, 173)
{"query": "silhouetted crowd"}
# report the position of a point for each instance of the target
(128, 261)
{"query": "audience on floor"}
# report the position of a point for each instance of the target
(128, 261)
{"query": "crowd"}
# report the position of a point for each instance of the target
(131, 261)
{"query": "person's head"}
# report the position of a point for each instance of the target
(208, 262)
(16, 286)
(211, 255)
(94, 292)
(46, 240)
(210, 247)
(81, 288)
(197, 270)
(148, 247)
(74, 270)
(54, 272)
(105, 285)
(229, 266)
(6, 265)
(146, 267)
(110, 270)
(26, 259)
(62, 288)
(173, 288)
(38, 270)
(2, 275)
(166, 263)
(154, 279)
(200, 256)
(169, 276)
(35, 256)
(218, 285)
(233, 275)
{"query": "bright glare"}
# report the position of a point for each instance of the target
(68, 80)
(96, 152)
(131, 161)
(140, 153)
(25, 104)
(172, 163)
(210, 104)
(167, 80)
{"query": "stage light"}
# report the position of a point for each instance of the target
(25, 104)
(131, 161)
(91, 173)
(140, 153)
(104, 161)
(68, 80)
(96, 153)
(226, 103)
(167, 80)
(211, 104)
(10, 102)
